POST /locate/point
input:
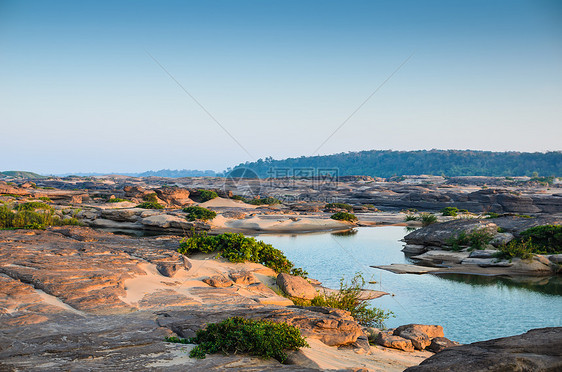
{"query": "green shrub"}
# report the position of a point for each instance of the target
(547, 238)
(264, 201)
(27, 217)
(150, 205)
(119, 200)
(344, 216)
(450, 211)
(31, 206)
(150, 198)
(261, 338)
(45, 199)
(199, 213)
(347, 207)
(410, 217)
(427, 219)
(206, 195)
(490, 215)
(238, 248)
(349, 298)
(238, 197)
(463, 211)
(476, 239)
(517, 248)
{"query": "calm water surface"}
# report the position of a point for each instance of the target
(470, 308)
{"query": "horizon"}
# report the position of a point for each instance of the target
(136, 86)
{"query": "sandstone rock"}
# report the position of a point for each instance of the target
(174, 196)
(440, 233)
(414, 249)
(536, 350)
(442, 256)
(122, 215)
(486, 262)
(484, 253)
(243, 278)
(440, 343)
(419, 334)
(395, 342)
(501, 239)
(556, 258)
(218, 281)
(295, 286)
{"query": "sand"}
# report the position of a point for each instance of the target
(226, 203)
(284, 224)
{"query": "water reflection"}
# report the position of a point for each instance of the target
(546, 285)
(349, 232)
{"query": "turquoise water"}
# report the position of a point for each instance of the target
(470, 308)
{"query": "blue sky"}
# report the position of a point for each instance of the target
(80, 93)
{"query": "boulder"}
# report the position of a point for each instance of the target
(414, 249)
(295, 286)
(243, 278)
(536, 350)
(484, 253)
(394, 342)
(420, 334)
(218, 281)
(441, 343)
(439, 233)
(439, 257)
(501, 239)
(555, 258)
(174, 196)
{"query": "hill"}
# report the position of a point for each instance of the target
(21, 174)
(386, 163)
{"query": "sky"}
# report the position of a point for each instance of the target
(130, 86)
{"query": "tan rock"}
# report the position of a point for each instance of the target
(420, 334)
(218, 281)
(295, 286)
(395, 342)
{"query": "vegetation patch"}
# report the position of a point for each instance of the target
(45, 199)
(31, 218)
(264, 201)
(32, 206)
(206, 195)
(349, 298)
(347, 207)
(150, 205)
(450, 211)
(238, 248)
(427, 219)
(117, 200)
(476, 239)
(199, 213)
(234, 335)
(151, 198)
(344, 216)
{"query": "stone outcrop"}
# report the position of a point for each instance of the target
(295, 286)
(394, 342)
(420, 335)
(536, 350)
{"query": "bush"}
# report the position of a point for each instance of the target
(349, 298)
(476, 239)
(261, 338)
(45, 199)
(517, 248)
(547, 238)
(206, 195)
(490, 215)
(199, 213)
(450, 211)
(150, 205)
(26, 217)
(410, 217)
(238, 248)
(347, 207)
(427, 219)
(32, 206)
(344, 216)
(119, 200)
(150, 198)
(264, 201)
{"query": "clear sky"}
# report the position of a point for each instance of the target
(79, 91)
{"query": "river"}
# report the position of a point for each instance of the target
(470, 308)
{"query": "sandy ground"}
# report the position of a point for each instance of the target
(282, 224)
(226, 203)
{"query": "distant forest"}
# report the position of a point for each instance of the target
(387, 163)
(178, 173)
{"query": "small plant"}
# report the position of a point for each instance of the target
(238, 248)
(476, 239)
(45, 199)
(150, 205)
(349, 298)
(427, 219)
(264, 201)
(546, 237)
(206, 195)
(150, 198)
(31, 206)
(347, 207)
(450, 211)
(344, 216)
(410, 217)
(261, 338)
(118, 200)
(199, 213)
(490, 215)
(238, 197)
